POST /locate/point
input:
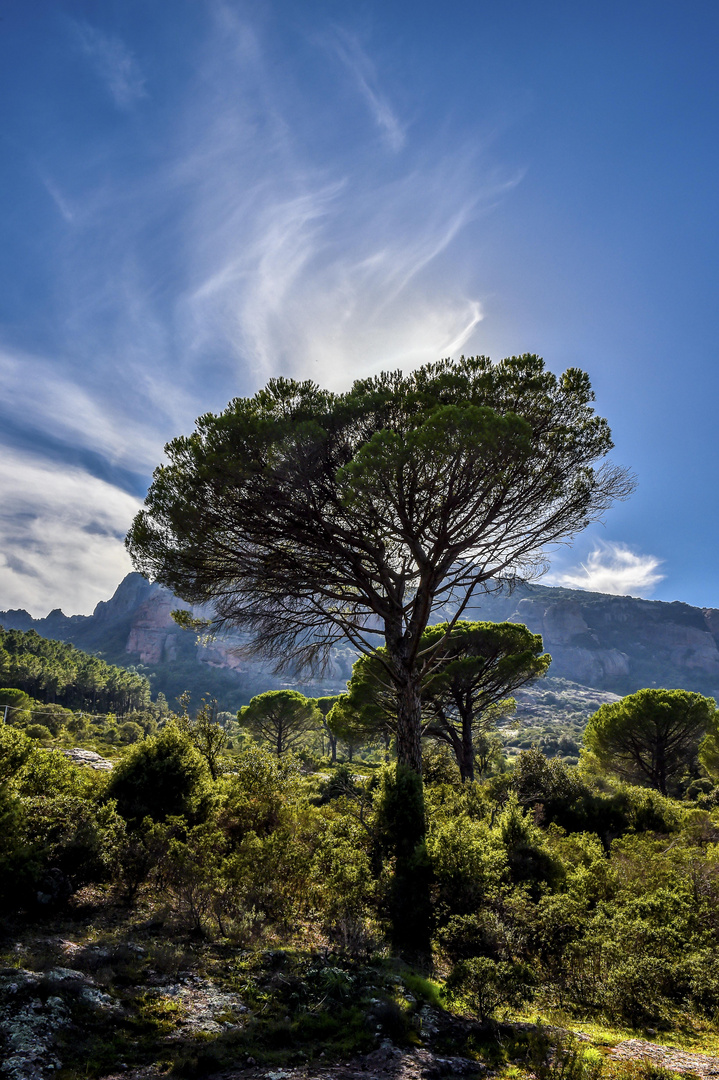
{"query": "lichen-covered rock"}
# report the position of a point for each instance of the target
(30, 1018)
(206, 1009)
(78, 756)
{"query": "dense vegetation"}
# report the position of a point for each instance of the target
(58, 673)
(553, 889)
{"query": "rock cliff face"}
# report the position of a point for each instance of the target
(153, 634)
(611, 643)
(616, 643)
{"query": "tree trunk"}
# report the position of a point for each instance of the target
(410, 905)
(410, 901)
(409, 724)
(467, 763)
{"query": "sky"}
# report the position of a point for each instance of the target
(201, 194)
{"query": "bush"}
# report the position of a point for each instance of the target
(466, 936)
(560, 1056)
(15, 749)
(260, 795)
(74, 836)
(19, 860)
(48, 773)
(468, 860)
(39, 732)
(527, 857)
(18, 705)
(487, 986)
(163, 776)
(439, 765)
(130, 732)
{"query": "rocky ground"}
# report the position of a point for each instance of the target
(92, 1000)
(42, 1013)
(666, 1057)
(78, 756)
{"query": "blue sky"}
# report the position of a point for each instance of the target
(199, 195)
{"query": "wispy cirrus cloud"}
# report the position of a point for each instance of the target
(53, 403)
(247, 248)
(113, 63)
(326, 269)
(290, 295)
(346, 46)
(67, 212)
(612, 568)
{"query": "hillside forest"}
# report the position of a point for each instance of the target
(313, 880)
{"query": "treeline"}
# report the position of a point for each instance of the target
(58, 673)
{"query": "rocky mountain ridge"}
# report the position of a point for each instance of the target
(609, 643)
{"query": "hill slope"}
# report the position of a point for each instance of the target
(615, 644)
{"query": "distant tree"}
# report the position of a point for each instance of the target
(282, 718)
(17, 703)
(346, 726)
(652, 736)
(325, 706)
(160, 707)
(488, 747)
(54, 671)
(709, 753)
(476, 665)
(367, 713)
(204, 732)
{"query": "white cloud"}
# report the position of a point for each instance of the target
(113, 63)
(54, 402)
(348, 49)
(612, 568)
(291, 296)
(62, 532)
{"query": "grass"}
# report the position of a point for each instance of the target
(426, 990)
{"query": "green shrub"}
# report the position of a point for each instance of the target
(163, 776)
(48, 773)
(20, 861)
(465, 936)
(486, 986)
(39, 732)
(344, 892)
(130, 732)
(18, 705)
(262, 793)
(560, 1056)
(15, 749)
(74, 835)
(528, 859)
